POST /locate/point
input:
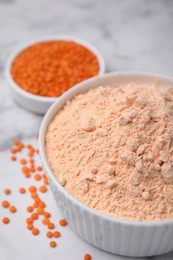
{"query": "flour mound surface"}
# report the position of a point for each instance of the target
(111, 148)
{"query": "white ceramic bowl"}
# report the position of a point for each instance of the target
(130, 238)
(35, 103)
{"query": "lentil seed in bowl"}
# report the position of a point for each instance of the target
(49, 68)
(41, 70)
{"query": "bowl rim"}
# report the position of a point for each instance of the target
(48, 117)
(27, 44)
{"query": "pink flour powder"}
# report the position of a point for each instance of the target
(111, 148)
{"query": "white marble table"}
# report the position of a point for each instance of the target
(131, 34)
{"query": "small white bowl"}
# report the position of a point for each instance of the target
(119, 236)
(36, 103)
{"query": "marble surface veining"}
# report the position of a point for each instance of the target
(131, 34)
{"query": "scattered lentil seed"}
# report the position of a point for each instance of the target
(38, 204)
(37, 177)
(30, 209)
(56, 234)
(29, 146)
(32, 168)
(35, 205)
(5, 204)
(25, 169)
(52, 243)
(51, 226)
(45, 181)
(42, 204)
(23, 161)
(43, 189)
(22, 190)
(63, 222)
(87, 257)
(17, 142)
(40, 211)
(30, 226)
(34, 195)
(37, 200)
(49, 234)
(31, 161)
(35, 231)
(5, 220)
(31, 153)
(29, 220)
(45, 221)
(47, 214)
(13, 158)
(32, 189)
(7, 191)
(27, 175)
(13, 150)
(39, 168)
(34, 216)
(12, 209)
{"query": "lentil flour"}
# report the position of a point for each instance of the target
(112, 148)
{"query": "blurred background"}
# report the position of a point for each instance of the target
(131, 35)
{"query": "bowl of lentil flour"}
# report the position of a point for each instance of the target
(40, 71)
(106, 146)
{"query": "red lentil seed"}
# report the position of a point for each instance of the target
(12, 209)
(5, 220)
(30, 209)
(52, 243)
(13, 158)
(32, 189)
(5, 204)
(87, 257)
(29, 220)
(51, 226)
(37, 177)
(42, 204)
(43, 189)
(63, 222)
(40, 211)
(31, 161)
(49, 234)
(34, 216)
(35, 205)
(30, 226)
(13, 150)
(25, 169)
(22, 190)
(30, 153)
(35, 231)
(23, 161)
(32, 168)
(45, 221)
(37, 199)
(34, 195)
(7, 191)
(56, 234)
(27, 175)
(47, 214)
(39, 168)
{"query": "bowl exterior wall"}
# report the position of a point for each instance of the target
(32, 105)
